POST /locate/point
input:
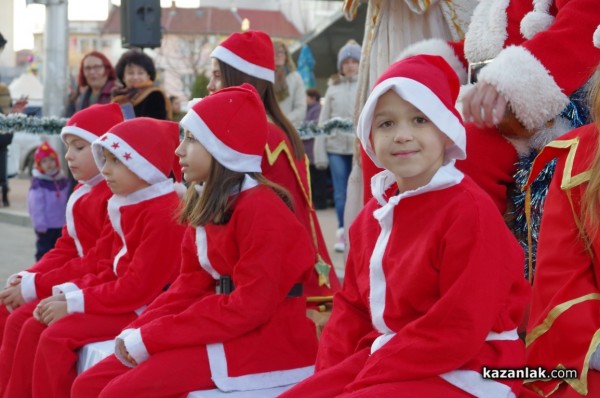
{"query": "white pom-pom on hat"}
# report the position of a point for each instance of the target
(537, 20)
(597, 37)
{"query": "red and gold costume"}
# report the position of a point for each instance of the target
(564, 324)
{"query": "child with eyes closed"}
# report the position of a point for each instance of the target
(85, 220)
(235, 317)
(135, 260)
(433, 289)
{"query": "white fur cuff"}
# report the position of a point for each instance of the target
(531, 91)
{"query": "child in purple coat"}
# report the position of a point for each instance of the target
(47, 199)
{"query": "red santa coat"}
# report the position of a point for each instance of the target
(143, 259)
(280, 166)
(433, 286)
(85, 219)
(564, 322)
(539, 59)
(255, 337)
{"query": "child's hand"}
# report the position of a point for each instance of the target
(51, 312)
(11, 296)
(120, 347)
(41, 311)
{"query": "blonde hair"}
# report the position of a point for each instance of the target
(214, 204)
(590, 203)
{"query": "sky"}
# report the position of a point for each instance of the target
(31, 18)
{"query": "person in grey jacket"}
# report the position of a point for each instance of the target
(336, 147)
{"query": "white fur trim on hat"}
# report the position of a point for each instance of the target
(437, 47)
(79, 132)
(128, 156)
(423, 99)
(597, 37)
(223, 54)
(228, 157)
(537, 20)
(521, 78)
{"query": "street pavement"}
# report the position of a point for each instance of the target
(17, 239)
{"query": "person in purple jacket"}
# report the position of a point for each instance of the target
(47, 198)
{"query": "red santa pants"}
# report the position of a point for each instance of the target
(332, 382)
(12, 329)
(46, 357)
(172, 373)
(3, 316)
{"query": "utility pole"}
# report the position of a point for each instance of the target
(55, 56)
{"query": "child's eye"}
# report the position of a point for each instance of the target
(385, 124)
(421, 120)
(191, 138)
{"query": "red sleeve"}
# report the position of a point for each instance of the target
(191, 285)
(572, 57)
(95, 261)
(154, 263)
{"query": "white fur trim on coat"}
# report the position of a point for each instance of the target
(437, 47)
(487, 31)
(597, 37)
(534, 96)
(256, 381)
(537, 20)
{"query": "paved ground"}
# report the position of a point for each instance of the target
(17, 239)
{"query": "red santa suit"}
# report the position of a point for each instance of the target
(541, 54)
(85, 219)
(433, 289)
(438, 299)
(280, 166)
(86, 214)
(564, 323)
(143, 260)
(253, 338)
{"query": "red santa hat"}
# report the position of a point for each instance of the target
(232, 125)
(42, 152)
(91, 122)
(432, 86)
(145, 145)
(250, 52)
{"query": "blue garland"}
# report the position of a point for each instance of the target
(577, 113)
(31, 124)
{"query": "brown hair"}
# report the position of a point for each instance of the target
(214, 204)
(590, 203)
(231, 76)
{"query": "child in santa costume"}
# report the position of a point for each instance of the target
(526, 57)
(564, 324)
(85, 219)
(433, 288)
(47, 198)
(249, 57)
(235, 317)
(132, 264)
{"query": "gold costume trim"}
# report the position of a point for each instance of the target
(555, 313)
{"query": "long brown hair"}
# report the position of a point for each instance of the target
(590, 203)
(234, 77)
(215, 202)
